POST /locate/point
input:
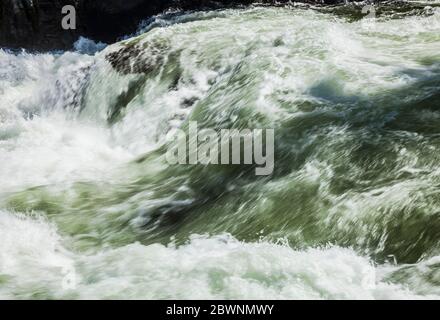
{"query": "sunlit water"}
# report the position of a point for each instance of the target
(89, 208)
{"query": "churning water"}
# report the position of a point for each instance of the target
(89, 208)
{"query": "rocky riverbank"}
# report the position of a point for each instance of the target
(36, 24)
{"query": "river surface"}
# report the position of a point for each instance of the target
(89, 208)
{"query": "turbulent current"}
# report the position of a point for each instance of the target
(90, 208)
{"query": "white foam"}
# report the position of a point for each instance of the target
(32, 258)
(41, 140)
(88, 46)
(34, 262)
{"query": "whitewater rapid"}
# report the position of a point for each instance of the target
(89, 209)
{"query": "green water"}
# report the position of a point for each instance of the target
(89, 207)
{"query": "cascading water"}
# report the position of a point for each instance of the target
(89, 208)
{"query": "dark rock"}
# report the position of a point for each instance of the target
(130, 59)
(34, 24)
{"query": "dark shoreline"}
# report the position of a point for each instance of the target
(36, 26)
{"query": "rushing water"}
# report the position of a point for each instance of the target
(89, 208)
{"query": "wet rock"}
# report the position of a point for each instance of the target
(137, 59)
